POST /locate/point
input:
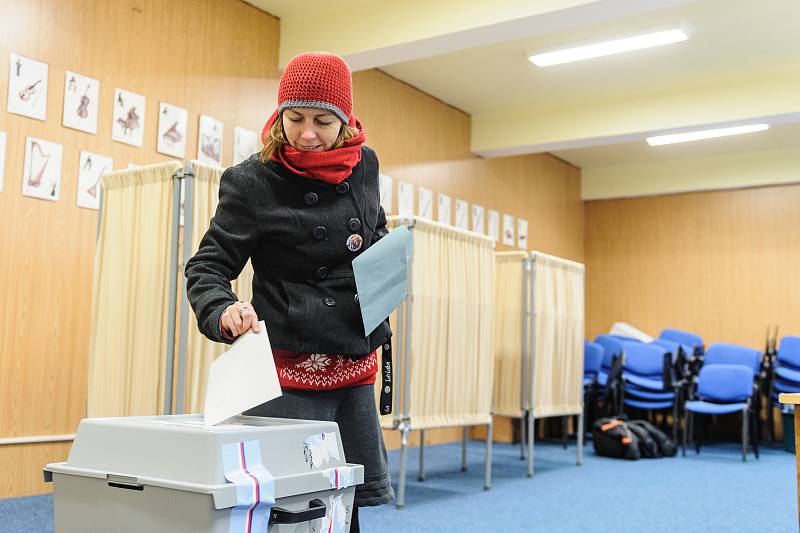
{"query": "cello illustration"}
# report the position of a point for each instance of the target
(83, 108)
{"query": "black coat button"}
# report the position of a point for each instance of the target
(330, 302)
(356, 297)
(354, 224)
(322, 272)
(320, 232)
(343, 188)
(311, 198)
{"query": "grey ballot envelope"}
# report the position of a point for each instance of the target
(381, 274)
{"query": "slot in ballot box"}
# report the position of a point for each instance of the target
(172, 474)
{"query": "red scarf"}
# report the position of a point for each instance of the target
(332, 166)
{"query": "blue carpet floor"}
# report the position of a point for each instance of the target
(712, 492)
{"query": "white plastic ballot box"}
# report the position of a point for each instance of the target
(172, 474)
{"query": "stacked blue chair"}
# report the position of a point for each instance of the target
(592, 362)
(609, 368)
(647, 380)
(684, 337)
(722, 389)
(733, 354)
(694, 357)
(785, 375)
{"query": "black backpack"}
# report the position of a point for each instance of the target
(666, 447)
(647, 445)
(613, 438)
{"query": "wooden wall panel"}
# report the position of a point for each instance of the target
(217, 57)
(425, 142)
(722, 264)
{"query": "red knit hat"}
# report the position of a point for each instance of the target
(319, 80)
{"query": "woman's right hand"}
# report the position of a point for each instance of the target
(239, 318)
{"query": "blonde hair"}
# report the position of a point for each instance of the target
(276, 137)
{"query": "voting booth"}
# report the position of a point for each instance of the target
(173, 474)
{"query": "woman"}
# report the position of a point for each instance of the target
(302, 210)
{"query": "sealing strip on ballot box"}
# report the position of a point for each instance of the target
(255, 486)
(340, 477)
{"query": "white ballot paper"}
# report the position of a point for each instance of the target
(241, 378)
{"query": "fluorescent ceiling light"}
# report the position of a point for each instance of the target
(607, 48)
(704, 134)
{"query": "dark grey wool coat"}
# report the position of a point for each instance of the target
(295, 230)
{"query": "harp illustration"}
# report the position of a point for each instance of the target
(37, 165)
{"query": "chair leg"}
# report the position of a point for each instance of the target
(674, 421)
(564, 425)
(755, 438)
(685, 429)
(744, 434)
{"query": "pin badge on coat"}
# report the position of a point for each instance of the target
(355, 242)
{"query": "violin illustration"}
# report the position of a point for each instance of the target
(36, 180)
(26, 93)
(83, 109)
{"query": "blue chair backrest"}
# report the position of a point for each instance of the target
(592, 357)
(643, 359)
(733, 354)
(623, 338)
(673, 347)
(683, 337)
(611, 346)
(725, 383)
(789, 351)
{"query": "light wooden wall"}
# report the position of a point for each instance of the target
(424, 142)
(721, 264)
(217, 57)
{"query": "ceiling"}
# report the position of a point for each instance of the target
(741, 63)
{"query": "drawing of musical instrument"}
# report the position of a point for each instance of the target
(36, 180)
(26, 93)
(83, 109)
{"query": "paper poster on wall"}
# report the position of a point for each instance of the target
(462, 215)
(508, 230)
(405, 199)
(445, 207)
(425, 203)
(522, 233)
(245, 144)
(27, 87)
(81, 95)
(41, 176)
(2, 158)
(209, 141)
(478, 220)
(128, 124)
(494, 224)
(172, 121)
(385, 187)
(92, 167)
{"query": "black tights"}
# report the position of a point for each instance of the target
(354, 528)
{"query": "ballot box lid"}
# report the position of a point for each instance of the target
(178, 451)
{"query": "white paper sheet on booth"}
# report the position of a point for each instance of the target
(241, 378)
(381, 277)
